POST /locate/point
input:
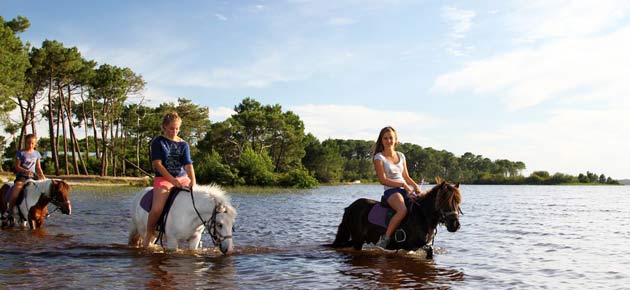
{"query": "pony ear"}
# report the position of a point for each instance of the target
(457, 185)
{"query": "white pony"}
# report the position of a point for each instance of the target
(32, 210)
(206, 208)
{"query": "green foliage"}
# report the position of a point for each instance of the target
(13, 62)
(210, 169)
(298, 178)
(256, 168)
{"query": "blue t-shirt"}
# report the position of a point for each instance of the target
(174, 155)
(28, 161)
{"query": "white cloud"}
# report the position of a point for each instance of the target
(540, 19)
(559, 69)
(341, 21)
(220, 17)
(460, 21)
(154, 96)
(571, 141)
(571, 73)
(363, 123)
(289, 62)
(220, 114)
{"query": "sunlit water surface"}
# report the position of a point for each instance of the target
(512, 237)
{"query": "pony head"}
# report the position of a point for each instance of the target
(447, 204)
(223, 228)
(60, 196)
(221, 225)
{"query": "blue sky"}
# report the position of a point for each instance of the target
(543, 82)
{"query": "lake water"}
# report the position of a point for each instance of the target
(512, 237)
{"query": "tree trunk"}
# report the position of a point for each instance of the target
(73, 137)
(104, 153)
(33, 107)
(61, 115)
(85, 124)
(51, 128)
(123, 144)
(94, 128)
(114, 142)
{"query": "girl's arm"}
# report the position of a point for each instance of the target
(380, 173)
(408, 179)
(190, 170)
(19, 169)
(40, 172)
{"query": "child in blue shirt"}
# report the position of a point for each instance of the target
(27, 166)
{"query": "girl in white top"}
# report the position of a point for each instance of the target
(391, 170)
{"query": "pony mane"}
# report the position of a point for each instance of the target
(216, 192)
(451, 200)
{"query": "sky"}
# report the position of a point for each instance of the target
(542, 82)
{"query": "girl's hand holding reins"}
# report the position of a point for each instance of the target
(176, 183)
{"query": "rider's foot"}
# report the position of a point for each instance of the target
(382, 243)
(148, 240)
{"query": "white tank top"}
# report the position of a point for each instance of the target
(393, 171)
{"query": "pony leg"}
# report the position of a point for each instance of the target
(194, 242)
(343, 236)
(135, 238)
(171, 243)
(3, 201)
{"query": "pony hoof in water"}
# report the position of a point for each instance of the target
(191, 212)
(362, 224)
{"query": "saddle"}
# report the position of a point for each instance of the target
(147, 203)
(381, 213)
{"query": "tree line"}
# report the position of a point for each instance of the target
(259, 145)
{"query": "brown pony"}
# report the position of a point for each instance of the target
(32, 203)
(440, 205)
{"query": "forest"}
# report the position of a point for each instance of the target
(99, 123)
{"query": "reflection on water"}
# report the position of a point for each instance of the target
(395, 270)
(511, 237)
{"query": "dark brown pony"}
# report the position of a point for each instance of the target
(439, 206)
(32, 203)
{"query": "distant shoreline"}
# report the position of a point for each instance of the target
(102, 181)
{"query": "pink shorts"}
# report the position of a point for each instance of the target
(160, 181)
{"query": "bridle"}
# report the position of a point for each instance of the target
(443, 215)
(216, 236)
(55, 199)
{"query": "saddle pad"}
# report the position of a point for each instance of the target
(147, 201)
(378, 214)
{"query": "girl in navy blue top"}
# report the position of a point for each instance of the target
(170, 157)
